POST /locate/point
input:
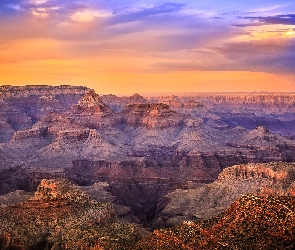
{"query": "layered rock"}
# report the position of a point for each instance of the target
(60, 216)
(256, 100)
(30, 133)
(152, 116)
(274, 110)
(150, 147)
(262, 179)
(21, 107)
(89, 112)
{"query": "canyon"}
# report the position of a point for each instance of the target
(156, 161)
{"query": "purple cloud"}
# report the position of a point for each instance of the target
(287, 19)
(167, 8)
(256, 56)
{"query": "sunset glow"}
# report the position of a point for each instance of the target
(122, 47)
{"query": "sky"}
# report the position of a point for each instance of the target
(122, 47)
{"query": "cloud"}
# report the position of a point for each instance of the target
(89, 15)
(275, 56)
(144, 13)
(10, 7)
(288, 19)
(270, 8)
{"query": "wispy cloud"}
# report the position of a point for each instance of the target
(144, 13)
(286, 19)
(270, 8)
(276, 56)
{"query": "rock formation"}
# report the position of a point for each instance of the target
(119, 103)
(60, 216)
(152, 116)
(262, 179)
(251, 222)
(21, 107)
(152, 148)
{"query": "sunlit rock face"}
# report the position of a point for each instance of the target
(251, 222)
(61, 216)
(152, 116)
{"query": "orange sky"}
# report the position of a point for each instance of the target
(140, 47)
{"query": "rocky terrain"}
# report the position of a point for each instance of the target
(60, 216)
(144, 148)
(225, 110)
(260, 179)
(251, 222)
(21, 107)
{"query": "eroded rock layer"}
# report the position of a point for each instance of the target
(143, 147)
(275, 179)
(60, 216)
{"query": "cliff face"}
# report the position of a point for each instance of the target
(224, 110)
(262, 179)
(60, 216)
(152, 116)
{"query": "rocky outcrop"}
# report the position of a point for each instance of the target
(60, 216)
(261, 179)
(74, 136)
(251, 222)
(152, 116)
(30, 133)
(274, 110)
(90, 112)
(92, 103)
(149, 148)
